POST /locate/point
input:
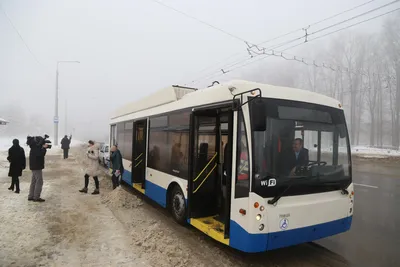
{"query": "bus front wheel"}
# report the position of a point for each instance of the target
(178, 205)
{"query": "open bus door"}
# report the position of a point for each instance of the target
(209, 185)
(139, 154)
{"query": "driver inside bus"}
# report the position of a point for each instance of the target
(297, 158)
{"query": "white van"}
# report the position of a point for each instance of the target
(104, 155)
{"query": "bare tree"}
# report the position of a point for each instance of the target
(392, 48)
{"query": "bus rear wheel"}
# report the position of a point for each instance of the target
(178, 205)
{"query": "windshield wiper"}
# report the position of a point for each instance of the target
(277, 197)
(342, 188)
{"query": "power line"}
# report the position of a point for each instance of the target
(199, 20)
(355, 24)
(268, 55)
(314, 63)
(354, 17)
(318, 22)
(19, 34)
(343, 12)
(227, 66)
(280, 36)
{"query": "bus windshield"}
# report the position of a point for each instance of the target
(304, 146)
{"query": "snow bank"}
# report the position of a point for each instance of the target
(373, 152)
(118, 198)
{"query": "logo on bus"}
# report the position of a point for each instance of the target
(269, 182)
(284, 224)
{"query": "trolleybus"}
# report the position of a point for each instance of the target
(256, 167)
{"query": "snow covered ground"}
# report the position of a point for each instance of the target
(69, 229)
(371, 152)
(115, 228)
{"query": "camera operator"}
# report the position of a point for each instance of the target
(36, 165)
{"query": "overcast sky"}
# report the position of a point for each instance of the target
(129, 49)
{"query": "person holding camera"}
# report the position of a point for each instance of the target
(36, 165)
(16, 157)
(93, 168)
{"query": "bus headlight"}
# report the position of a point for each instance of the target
(261, 227)
(258, 217)
(262, 208)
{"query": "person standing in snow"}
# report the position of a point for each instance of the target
(116, 166)
(36, 164)
(65, 145)
(93, 167)
(16, 157)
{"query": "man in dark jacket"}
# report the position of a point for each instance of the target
(65, 143)
(116, 166)
(298, 157)
(16, 157)
(36, 164)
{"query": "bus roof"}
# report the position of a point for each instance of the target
(177, 97)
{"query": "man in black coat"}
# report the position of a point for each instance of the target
(16, 157)
(65, 143)
(298, 157)
(36, 164)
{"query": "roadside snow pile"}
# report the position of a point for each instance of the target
(119, 198)
(372, 152)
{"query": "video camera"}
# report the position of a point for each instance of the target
(38, 141)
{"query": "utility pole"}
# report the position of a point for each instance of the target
(66, 115)
(56, 103)
(55, 120)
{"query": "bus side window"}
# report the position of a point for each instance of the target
(242, 185)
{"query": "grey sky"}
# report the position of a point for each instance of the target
(130, 48)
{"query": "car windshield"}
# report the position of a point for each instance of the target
(300, 141)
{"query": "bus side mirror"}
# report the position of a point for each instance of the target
(258, 116)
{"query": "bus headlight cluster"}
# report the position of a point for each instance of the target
(261, 227)
(258, 217)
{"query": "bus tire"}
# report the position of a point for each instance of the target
(178, 205)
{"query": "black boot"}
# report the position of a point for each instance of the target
(17, 185)
(83, 190)
(11, 188)
(96, 192)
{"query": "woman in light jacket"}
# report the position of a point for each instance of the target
(93, 167)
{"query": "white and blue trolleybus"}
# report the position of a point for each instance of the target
(256, 167)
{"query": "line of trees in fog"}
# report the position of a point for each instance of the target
(365, 78)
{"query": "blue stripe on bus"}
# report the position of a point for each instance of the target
(127, 177)
(242, 240)
(153, 191)
(156, 193)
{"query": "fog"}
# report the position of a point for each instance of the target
(129, 49)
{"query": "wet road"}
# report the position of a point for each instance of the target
(374, 238)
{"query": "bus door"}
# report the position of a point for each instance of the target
(139, 152)
(209, 185)
(205, 162)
